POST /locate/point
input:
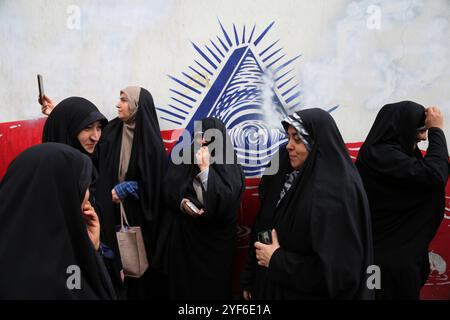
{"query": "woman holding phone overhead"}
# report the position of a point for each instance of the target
(77, 122)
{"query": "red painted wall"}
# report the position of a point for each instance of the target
(18, 135)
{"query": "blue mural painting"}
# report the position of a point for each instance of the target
(254, 87)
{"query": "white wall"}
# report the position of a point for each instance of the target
(353, 54)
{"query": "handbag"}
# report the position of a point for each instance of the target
(131, 247)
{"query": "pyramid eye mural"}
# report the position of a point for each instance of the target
(247, 85)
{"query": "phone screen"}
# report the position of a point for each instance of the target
(265, 237)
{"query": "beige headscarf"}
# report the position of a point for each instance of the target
(132, 94)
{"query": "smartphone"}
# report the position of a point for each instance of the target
(192, 207)
(41, 87)
(265, 236)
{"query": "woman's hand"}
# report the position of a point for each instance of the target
(115, 197)
(247, 295)
(47, 105)
(188, 210)
(434, 118)
(264, 252)
(92, 224)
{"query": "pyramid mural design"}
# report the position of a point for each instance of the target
(236, 94)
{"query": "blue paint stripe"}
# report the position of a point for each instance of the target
(263, 34)
(271, 64)
(172, 114)
(173, 121)
(294, 106)
(218, 50)
(195, 80)
(204, 56)
(287, 63)
(197, 72)
(213, 54)
(178, 109)
(223, 44)
(225, 34)
(251, 35)
(276, 80)
(284, 83)
(184, 84)
(268, 48)
(288, 100)
(182, 102)
(183, 95)
(235, 35)
(265, 59)
(289, 90)
(332, 109)
(203, 67)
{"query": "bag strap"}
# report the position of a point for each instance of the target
(123, 217)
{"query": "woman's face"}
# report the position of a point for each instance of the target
(296, 148)
(123, 107)
(89, 136)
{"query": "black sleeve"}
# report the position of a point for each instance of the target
(248, 273)
(225, 188)
(431, 171)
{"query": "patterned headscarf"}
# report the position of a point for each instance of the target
(296, 121)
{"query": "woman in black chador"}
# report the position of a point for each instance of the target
(49, 232)
(201, 242)
(406, 193)
(316, 213)
(131, 159)
(77, 122)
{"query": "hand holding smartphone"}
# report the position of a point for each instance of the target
(40, 80)
(191, 208)
(47, 105)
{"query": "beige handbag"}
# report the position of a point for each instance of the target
(131, 247)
